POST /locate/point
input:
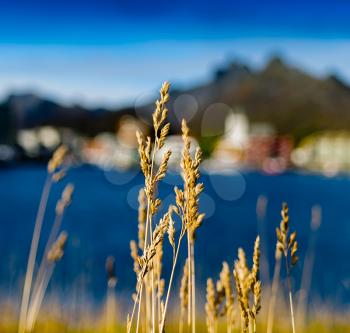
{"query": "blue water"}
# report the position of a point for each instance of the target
(103, 218)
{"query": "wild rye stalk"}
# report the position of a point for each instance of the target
(241, 277)
(32, 254)
(191, 217)
(290, 295)
(142, 217)
(187, 202)
(186, 208)
(161, 327)
(53, 256)
(54, 174)
(212, 306)
(288, 246)
(147, 151)
(193, 288)
(146, 261)
(225, 290)
(46, 266)
(247, 282)
(255, 284)
(189, 263)
(61, 206)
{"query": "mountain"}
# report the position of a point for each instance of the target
(29, 111)
(293, 101)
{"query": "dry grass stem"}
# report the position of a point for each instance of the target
(54, 174)
(248, 287)
(288, 246)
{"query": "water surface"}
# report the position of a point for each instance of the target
(103, 219)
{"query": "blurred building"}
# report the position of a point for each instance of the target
(269, 153)
(326, 151)
(230, 149)
(253, 145)
(126, 131)
(39, 141)
(106, 152)
(175, 144)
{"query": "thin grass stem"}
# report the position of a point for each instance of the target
(32, 254)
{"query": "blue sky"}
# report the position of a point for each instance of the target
(111, 52)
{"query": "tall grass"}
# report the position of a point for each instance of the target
(32, 296)
(233, 301)
(288, 246)
(148, 265)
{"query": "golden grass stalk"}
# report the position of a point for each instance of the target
(186, 208)
(171, 232)
(61, 206)
(241, 277)
(189, 263)
(157, 268)
(288, 246)
(54, 255)
(146, 262)
(161, 326)
(187, 201)
(147, 152)
(32, 255)
(215, 306)
(211, 307)
(226, 282)
(142, 214)
(247, 282)
(54, 174)
(255, 284)
(142, 217)
(160, 293)
(192, 218)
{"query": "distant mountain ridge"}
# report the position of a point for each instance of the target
(293, 101)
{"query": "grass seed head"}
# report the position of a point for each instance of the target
(57, 249)
(242, 301)
(226, 281)
(134, 255)
(190, 196)
(210, 306)
(286, 241)
(142, 215)
(57, 159)
(66, 199)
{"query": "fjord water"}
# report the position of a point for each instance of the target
(103, 219)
